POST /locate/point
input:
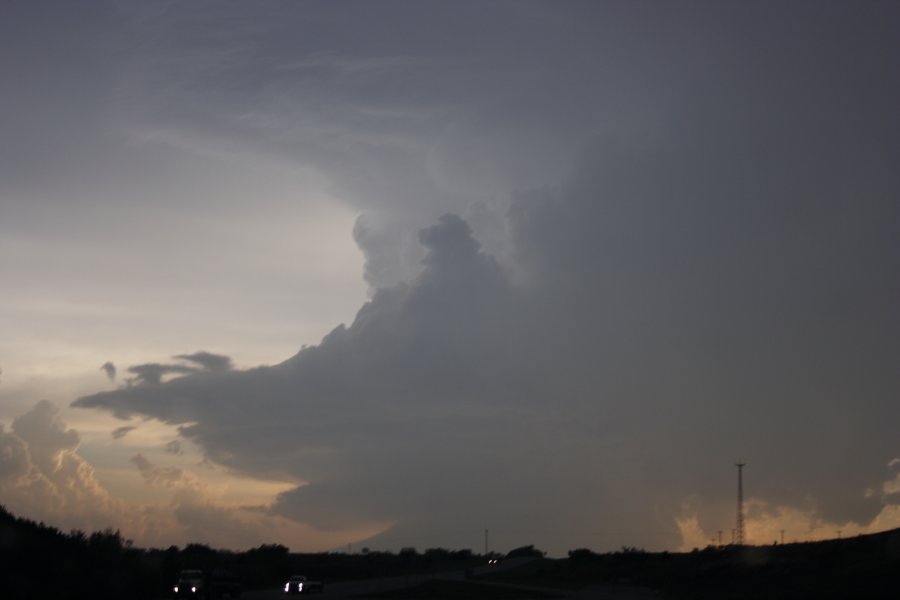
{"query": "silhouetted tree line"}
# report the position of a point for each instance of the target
(40, 561)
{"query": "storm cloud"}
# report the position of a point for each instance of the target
(609, 249)
(197, 362)
(110, 370)
(120, 432)
(207, 360)
(659, 323)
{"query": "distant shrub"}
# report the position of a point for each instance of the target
(581, 555)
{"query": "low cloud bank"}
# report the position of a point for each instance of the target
(42, 477)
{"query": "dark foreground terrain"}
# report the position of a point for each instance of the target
(39, 561)
(861, 567)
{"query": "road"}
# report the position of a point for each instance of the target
(352, 589)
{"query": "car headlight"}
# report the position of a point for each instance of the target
(287, 587)
(193, 588)
(176, 589)
(299, 587)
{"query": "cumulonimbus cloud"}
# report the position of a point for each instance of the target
(648, 334)
(712, 275)
(42, 475)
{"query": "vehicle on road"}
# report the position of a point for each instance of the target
(300, 584)
(194, 583)
(191, 584)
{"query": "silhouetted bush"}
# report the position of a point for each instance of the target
(581, 555)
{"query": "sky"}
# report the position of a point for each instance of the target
(391, 274)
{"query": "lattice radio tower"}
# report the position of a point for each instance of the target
(739, 530)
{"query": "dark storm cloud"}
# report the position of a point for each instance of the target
(715, 277)
(199, 362)
(208, 361)
(653, 335)
(120, 432)
(154, 372)
(110, 370)
(387, 113)
(433, 110)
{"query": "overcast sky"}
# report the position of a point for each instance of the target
(393, 273)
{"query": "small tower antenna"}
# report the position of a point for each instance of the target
(739, 530)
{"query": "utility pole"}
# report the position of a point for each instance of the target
(739, 529)
(782, 537)
(720, 537)
(485, 542)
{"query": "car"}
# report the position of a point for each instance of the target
(300, 584)
(217, 583)
(191, 584)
